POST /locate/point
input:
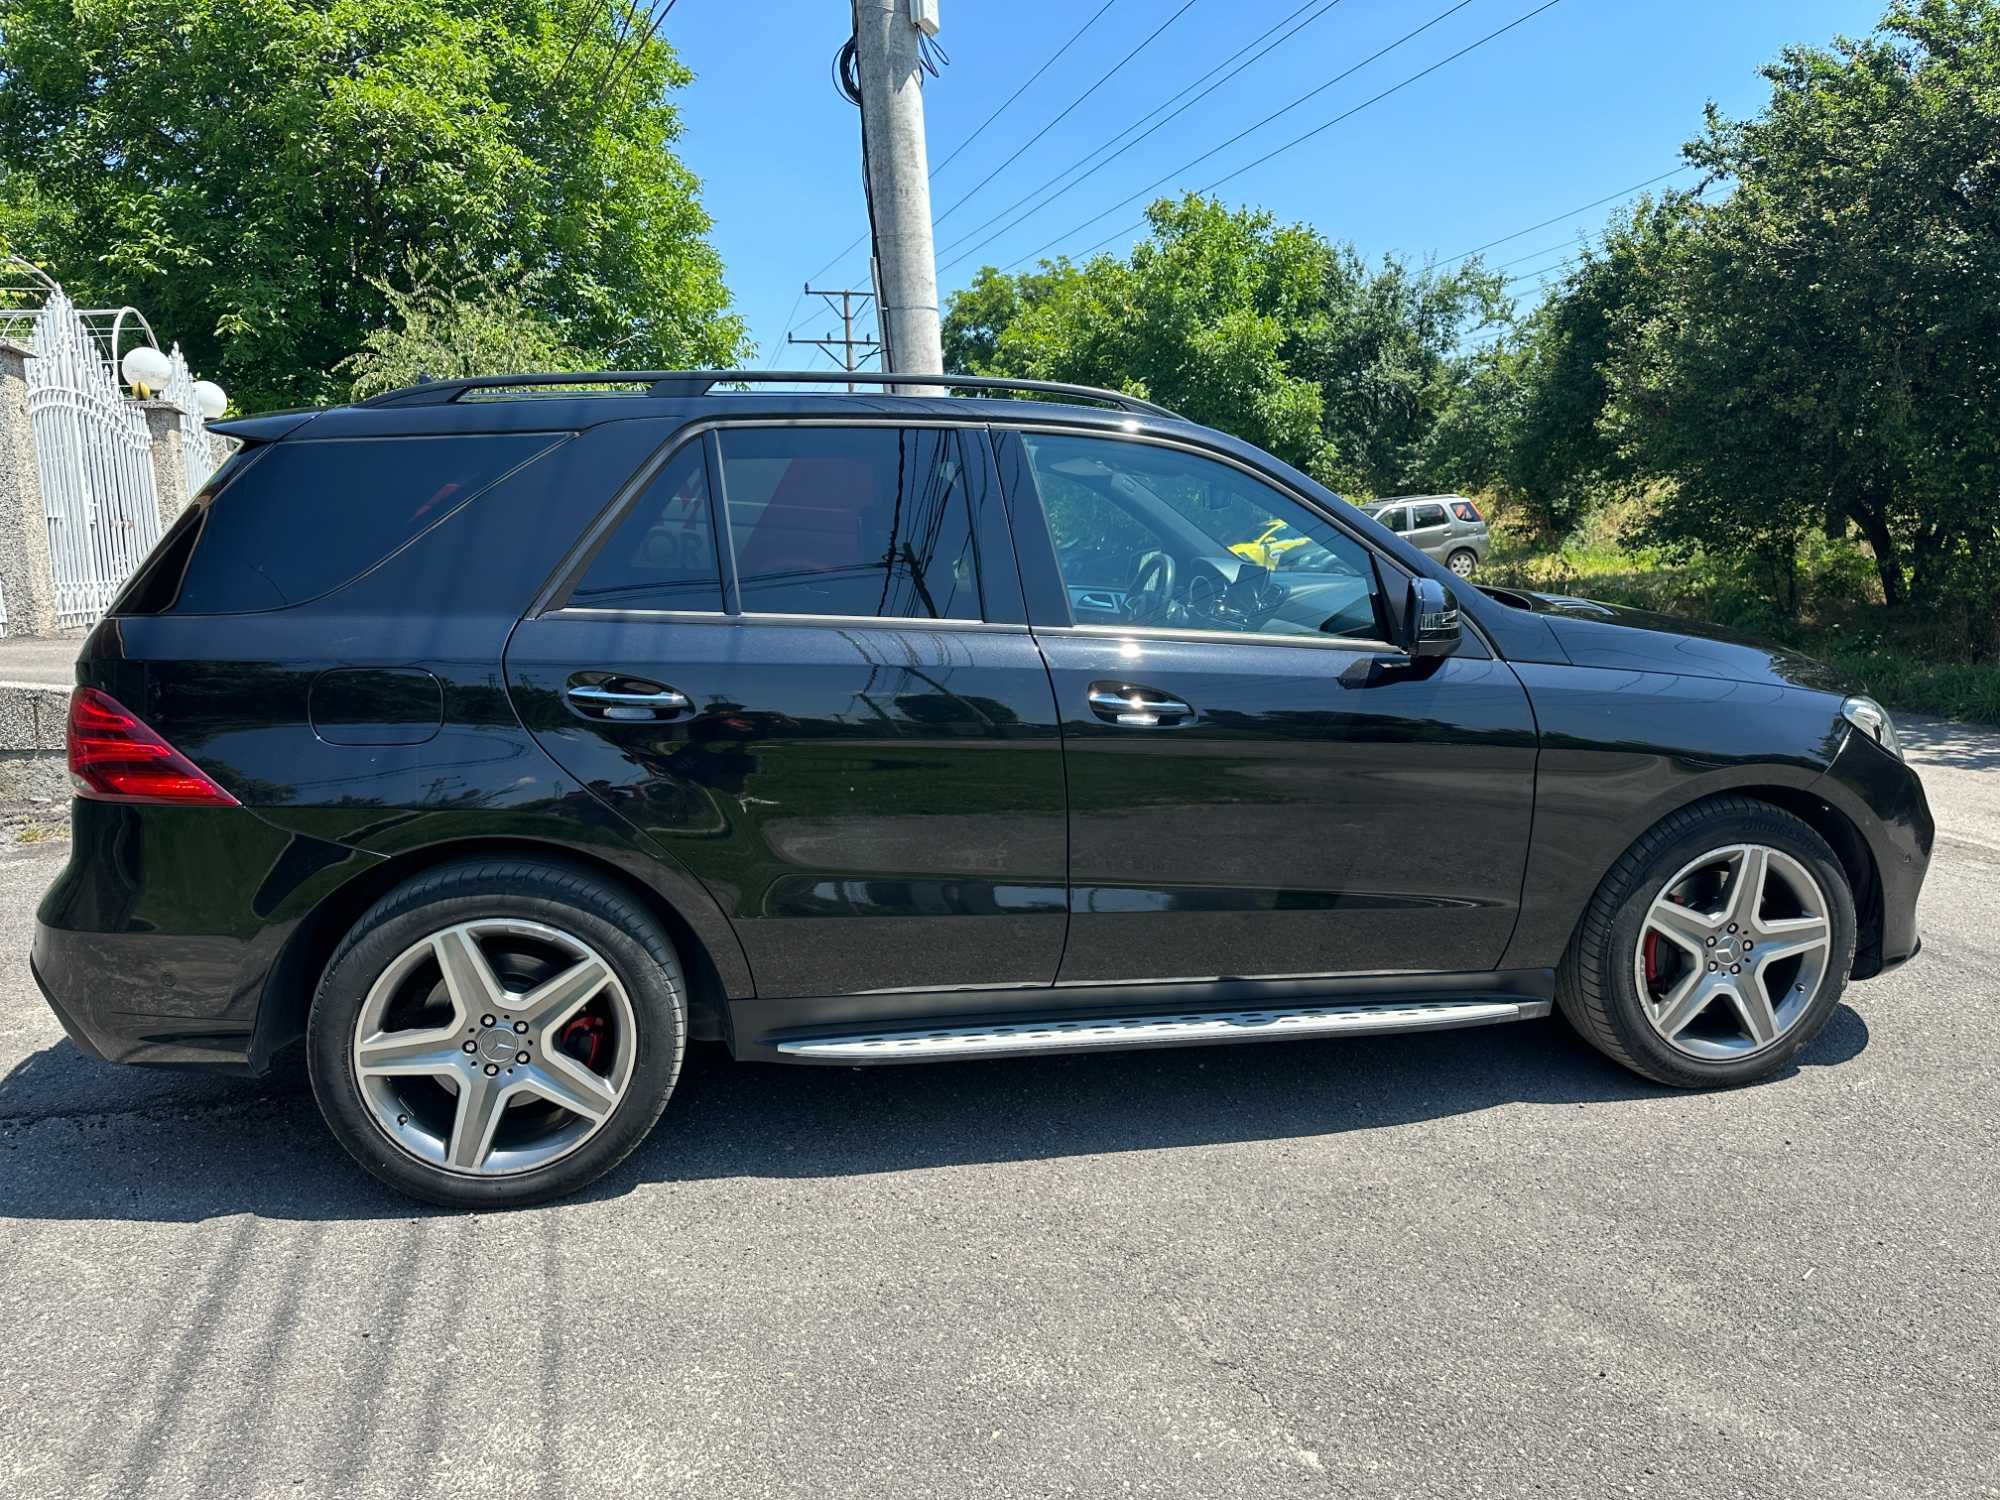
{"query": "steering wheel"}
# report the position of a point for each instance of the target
(1151, 590)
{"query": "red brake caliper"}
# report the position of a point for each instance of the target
(1652, 954)
(583, 1039)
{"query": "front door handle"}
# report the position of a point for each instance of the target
(632, 701)
(1137, 707)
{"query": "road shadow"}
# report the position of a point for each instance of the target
(262, 1149)
(1966, 747)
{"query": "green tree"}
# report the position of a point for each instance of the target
(1197, 318)
(251, 173)
(1388, 347)
(1817, 347)
(440, 330)
(1531, 423)
(1266, 331)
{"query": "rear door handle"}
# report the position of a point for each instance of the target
(632, 702)
(1137, 707)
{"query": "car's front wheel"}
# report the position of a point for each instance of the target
(1715, 949)
(497, 1032)
(1464, 562)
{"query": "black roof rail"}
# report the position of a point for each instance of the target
(701, 382)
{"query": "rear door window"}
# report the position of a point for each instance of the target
(662, 555)
(308, 517)
(1426, 515)
(855, 521)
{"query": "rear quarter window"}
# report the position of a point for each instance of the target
(309, 517)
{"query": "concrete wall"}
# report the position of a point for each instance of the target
(27, 578)
(34, 777)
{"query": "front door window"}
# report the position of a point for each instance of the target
(1152, 536)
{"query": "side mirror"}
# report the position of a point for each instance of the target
(1430, 619)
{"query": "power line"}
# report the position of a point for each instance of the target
(1579, 250)
(588, 13)
(1549, 270)
(1569, 244)
(1571, 213)
(790, 328)
(611, 80)
(1053, 57)
(1275, 114)
(1324, 7)
(1102, 79)
(635, 55)
(623, 14)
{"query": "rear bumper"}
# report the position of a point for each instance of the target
(106, 993)
(159, 940)
(80, 1036)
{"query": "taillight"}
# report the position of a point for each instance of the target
(115, 756)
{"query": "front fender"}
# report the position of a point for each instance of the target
(1622, 749)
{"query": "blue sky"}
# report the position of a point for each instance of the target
(1578, 102)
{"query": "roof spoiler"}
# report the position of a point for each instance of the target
(266, 428)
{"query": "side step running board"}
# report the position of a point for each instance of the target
(1103, 1033)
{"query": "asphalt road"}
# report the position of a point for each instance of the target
(1486, 1263)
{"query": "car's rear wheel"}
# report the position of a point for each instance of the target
(497, 1032)
(1464, 562)
(1715, 949)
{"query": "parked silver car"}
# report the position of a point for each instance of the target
(1448, 527)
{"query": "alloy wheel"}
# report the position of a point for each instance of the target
(1732, 952)
(494, 1047)
(1462, 564)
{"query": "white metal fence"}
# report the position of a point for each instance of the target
(95, 460)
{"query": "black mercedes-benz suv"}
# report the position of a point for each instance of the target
(494, 738)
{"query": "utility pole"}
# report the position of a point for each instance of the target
(898, 167)
(850, 302)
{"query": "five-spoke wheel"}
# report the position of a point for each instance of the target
(1732, 950)
(494, 1046)
(1715, 948)
(497, 1032)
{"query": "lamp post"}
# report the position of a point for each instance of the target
(146, 370)
(210, 399)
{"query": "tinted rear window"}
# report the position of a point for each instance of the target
(662, 555)
(869, 521)
(307, 517)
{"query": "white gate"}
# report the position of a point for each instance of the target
(197, 459)
(96, 465)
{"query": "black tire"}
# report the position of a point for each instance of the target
(1597, 989)
(1471, 562)
(630, 942)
